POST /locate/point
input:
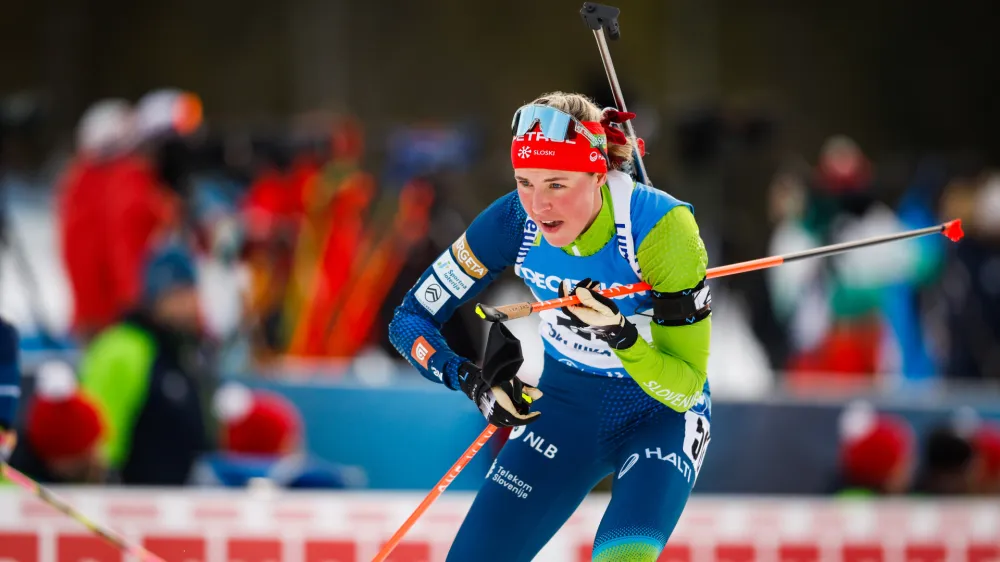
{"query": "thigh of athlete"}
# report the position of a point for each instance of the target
(540, 477)
(655, 472)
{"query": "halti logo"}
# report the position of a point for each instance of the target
(678, 461)
(525, 152)
(629, 463)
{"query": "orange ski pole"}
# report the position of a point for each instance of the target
(436, 491)
(46, 495)
(952, 230)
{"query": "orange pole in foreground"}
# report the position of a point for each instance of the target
(436, 491)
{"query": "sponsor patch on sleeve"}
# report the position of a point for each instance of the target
(451, 274)
(422, 351)
(469, 262)
(431, 294)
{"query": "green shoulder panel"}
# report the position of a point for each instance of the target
(673, 367)
(672, 256)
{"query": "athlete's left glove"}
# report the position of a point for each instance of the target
(503, 399)
(598, 314)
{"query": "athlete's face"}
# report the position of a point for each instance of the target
(563, 204)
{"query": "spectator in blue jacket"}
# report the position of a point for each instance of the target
(10, 386)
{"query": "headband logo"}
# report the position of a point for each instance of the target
(524, 152)
(538, 136)
(594, 156)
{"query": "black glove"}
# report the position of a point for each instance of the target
(598, 314)
(503, 399)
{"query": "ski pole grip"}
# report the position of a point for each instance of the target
(598, 16)
(503, 312)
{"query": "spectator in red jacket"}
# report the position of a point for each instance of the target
(116, 205)
(104, 136)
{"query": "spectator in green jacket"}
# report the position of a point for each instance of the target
(152, 380)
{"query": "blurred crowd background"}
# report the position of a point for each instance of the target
(204, 199)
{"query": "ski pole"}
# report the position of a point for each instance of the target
(44, 494)
(603, 21)
(436, 491)
(952, 230)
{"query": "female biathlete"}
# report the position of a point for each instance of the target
(624, 381)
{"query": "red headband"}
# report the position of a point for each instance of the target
(575, 154)
(534, 150)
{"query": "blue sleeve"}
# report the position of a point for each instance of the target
(648, 207)
(10, 374)
(487, 247)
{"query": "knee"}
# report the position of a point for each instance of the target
(631, 549)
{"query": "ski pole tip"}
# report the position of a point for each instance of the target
(953, 230)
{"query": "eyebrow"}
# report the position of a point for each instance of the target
(546, 180)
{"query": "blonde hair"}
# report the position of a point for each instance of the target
(584, 109)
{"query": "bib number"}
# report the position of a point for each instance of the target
(697, 434)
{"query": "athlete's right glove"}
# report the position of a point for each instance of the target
(503, 399)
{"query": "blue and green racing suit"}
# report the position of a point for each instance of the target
(641, 414)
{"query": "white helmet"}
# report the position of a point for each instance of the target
(105, 129)
(167, 112)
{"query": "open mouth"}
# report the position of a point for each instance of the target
(550, 226)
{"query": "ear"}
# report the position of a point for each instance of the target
(601, 178)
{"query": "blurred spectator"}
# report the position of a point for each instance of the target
(62, 433)
(151, 378)
(116, 200)
(256, 422)
(948, 463)
(832, 308)
(905, 304)
(877, 452)
(795, 296)
(10, 386)
(271, 213)
(103, 140)
(261, 437)
(986, 441)
(971, 284)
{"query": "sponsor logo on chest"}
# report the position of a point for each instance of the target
(551, 282)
